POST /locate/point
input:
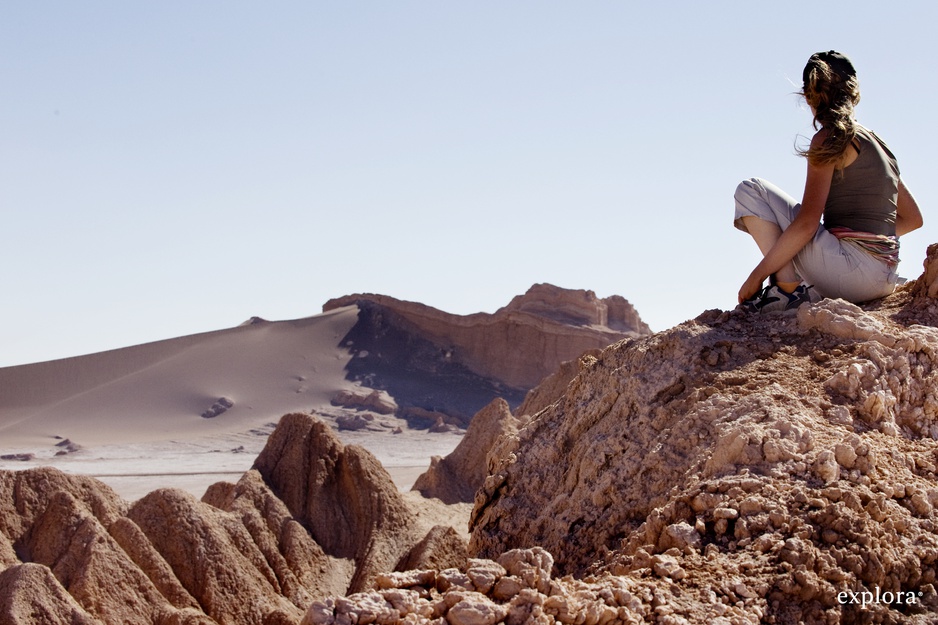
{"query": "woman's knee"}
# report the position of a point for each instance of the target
(751, 187)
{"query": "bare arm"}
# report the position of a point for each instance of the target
(797, 235)
(908, 215)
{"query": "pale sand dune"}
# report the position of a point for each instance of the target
(159, 390)
(136, 412)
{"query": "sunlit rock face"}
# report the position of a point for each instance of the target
(777, 462)
(315, 518)
(454, 365)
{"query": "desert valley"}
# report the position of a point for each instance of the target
(386, 462)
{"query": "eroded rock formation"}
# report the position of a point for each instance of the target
(735, 469)
(314, 519)
(458, 476)
(785, 463)
(456, 364)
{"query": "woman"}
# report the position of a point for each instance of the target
(853, 183)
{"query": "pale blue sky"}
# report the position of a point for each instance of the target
(170, 167)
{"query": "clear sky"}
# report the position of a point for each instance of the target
(176, 167)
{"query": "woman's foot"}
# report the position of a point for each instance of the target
(773, 298)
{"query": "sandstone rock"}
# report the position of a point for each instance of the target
(441, 548)
(303, 570)
(341, 494)
(800, 444)
(356, 422)
(440, 426)
(220, 406)
(552, 388)
(475, 609)
(24, 495)
(544, 307)
(86, 560)
(376, 401)
(23, 457)
(138, 548)
(213, 556)
(29, 594)
(927, 284)
(240, 556)
(578, 308)
(7, 554)
(458, 476)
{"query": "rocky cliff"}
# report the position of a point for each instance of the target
(454, 365)
(457, 477)
(314, 518)
(734, 469)
(783, 463)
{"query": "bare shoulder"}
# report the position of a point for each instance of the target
(820, 137)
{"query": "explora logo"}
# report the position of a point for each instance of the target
(866, 597)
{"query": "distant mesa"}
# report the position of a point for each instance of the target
(454, 365)
(578, 308)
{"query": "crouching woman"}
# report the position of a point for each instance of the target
(842, 239)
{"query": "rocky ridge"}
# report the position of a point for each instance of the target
(458, 476)
(313, 518)
(453, 365)
(734, 469)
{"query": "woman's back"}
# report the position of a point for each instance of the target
(863, 194)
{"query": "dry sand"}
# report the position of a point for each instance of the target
(135, 413)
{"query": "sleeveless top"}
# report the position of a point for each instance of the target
(863, 194)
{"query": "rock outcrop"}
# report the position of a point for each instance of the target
(30, 594)
(555, 385)
(735, 469)
(782, 464)
(458, 476)
(341, 494)
(314, 519)
(454, 364)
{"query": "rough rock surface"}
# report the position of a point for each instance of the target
(751, 468)
(29, 594)
(555, 385)
(457, 364)
(458, 476)
(327, 520)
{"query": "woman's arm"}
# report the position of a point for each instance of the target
(802, 229)
(908, 215)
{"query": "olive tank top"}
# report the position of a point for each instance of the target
(863, 194)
